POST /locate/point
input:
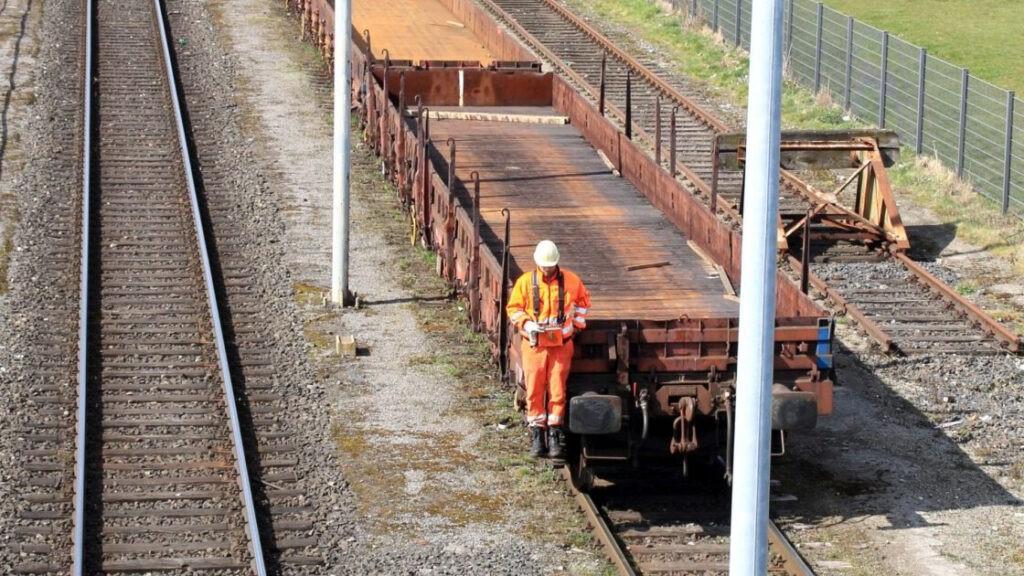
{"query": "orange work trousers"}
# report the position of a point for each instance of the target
(546, 370)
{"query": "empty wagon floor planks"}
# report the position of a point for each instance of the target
(557, 187)
(417, 30)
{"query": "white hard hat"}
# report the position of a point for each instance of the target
(546, 253)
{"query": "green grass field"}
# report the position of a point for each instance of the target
(982, 35)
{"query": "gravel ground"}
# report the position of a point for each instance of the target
(427, 457)
(250, 238)
(919, 471)
(38, 315)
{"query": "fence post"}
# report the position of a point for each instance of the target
(739, 20)
(1008, 158)
(922, 68)
(883, 79)
(629, 104)
(657, 131)
(693, 9)
(965, 77)
(789, 26)
(819, 23)
(848, 89)
(714, 17)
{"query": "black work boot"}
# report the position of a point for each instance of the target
(556, 442)
(536, 441)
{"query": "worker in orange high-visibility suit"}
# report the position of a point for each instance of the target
(548, 306)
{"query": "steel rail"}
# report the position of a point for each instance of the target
(252, 523)
(791, 559)
(259, 564)
(78, 536)
(883, 338)
(789, 180)
(601, 529)
(792, 562)
(989, 324)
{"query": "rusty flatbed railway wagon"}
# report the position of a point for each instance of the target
(490, 160)
(533, 160)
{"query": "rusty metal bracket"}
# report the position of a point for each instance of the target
(684, 433)
(622, 355)
(473, 290)
(503, 339)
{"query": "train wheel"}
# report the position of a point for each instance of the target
(583, 476)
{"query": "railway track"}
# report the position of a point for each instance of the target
(174, 452)
(942, 321)
(651, 527)
(162, 478)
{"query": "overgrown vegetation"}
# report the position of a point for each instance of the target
(926, 182)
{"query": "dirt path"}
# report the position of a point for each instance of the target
(19, 23)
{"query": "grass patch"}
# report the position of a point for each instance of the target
(926, 182)
(982, 35)
(306, 293)
(966, 288)
(320, 339)
(6, 247)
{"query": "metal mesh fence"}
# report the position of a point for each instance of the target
(937, 108)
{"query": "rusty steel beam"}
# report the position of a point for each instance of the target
(1007, 337)
(870, 326)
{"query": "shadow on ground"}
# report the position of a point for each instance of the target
(927, 241)
(878, 454)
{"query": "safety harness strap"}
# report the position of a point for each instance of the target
(561, 298)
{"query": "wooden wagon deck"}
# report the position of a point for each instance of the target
(558, 187)
(417, 30)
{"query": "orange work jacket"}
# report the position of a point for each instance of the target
(541, 305)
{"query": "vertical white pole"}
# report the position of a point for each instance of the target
(748, 549)
(342, 102)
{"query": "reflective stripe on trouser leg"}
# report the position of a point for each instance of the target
(559, 362)
(535, 371)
